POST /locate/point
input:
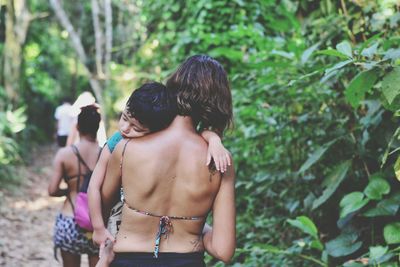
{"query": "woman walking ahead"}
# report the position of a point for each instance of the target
(168, 190)
(72, 164)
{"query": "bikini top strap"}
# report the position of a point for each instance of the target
(189, 218)
(122, 156)
(80, 159)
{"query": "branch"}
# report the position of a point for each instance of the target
(65, 22)
(98, 37)
(108, 22)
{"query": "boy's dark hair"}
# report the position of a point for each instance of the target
(202, 89)
(152, 105)
(89, 120)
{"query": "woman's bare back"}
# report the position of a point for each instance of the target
(89, 152)
(165, 174)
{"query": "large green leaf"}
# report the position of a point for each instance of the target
(387, 207)
(332, 52)
(305, 224)
(376, 252)
(345, 244)
(352, 202)
(316, 155)
(359, 86)
(332, 182)
(391, 233)
(391, 85)
(376, 188)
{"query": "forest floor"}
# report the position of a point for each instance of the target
(27, 216)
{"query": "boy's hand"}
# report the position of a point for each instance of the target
(100, 236)
(219, 153)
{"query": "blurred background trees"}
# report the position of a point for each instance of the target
(315, 87)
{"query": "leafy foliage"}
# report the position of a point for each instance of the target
(316, 91)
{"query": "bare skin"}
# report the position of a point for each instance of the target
(129, 128)
(66, 162)
(164, 173)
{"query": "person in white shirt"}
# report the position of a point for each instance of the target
(65, 119)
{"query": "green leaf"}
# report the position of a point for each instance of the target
(391, 233)
(392, 54)
(396, 168)
(391, 85)
(370, 52)
(376, 252)
(305, 224)
(316, 155)
(359, 86)
(338, 66)
(332, 182)
(376, 188)
(345, 48)
(317, 245)
(308, 52)
(332, 52)
(345, 244)
(386, 207)
(352, 202)
(226, 52)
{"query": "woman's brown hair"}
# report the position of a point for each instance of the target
(203, 92)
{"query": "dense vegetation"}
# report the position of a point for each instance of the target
(316, 89)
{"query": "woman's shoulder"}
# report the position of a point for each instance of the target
(64, 153)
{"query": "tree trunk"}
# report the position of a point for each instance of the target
(108, 22)
(98, 33)
(17, 24)
(77, 45)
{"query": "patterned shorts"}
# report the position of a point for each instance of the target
(68, 236)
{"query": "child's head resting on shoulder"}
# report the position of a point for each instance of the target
(150, 108)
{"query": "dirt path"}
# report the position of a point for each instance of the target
(27, 217)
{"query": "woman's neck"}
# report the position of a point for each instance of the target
(87, 138)
(183, 122)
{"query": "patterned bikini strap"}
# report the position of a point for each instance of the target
(190, 218)
(165, 225)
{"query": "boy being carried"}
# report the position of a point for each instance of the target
(149, 109)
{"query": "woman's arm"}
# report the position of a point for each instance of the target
(54, 185)
(100, 233)
(220, 241)
(216, 151)
(112, 181)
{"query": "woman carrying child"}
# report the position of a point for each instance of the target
(168, 189)
(149, 109)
